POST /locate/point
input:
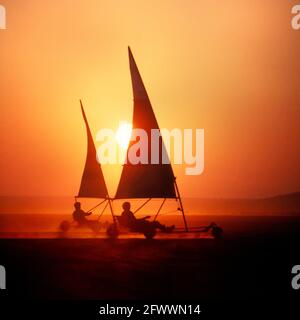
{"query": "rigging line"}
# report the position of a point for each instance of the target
(139, 208)
(91, 210)
(112, 212)
(181, 206)
(103, 211)
(159, 209)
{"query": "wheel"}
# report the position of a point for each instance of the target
(95, 226)
(65, 226)
(150, 234)
(112, 231)
(217, 232)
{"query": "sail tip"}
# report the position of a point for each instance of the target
(129, 51)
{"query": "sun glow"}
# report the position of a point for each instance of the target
(123, 134)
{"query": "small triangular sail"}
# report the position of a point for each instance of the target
(144, 180)
(92, 181)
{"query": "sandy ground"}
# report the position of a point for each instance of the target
(252, 261)
(239, 267)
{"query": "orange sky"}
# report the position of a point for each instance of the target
(230, 67)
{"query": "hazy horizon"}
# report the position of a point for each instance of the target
(278, 205)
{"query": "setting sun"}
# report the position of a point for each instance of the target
(123, 134)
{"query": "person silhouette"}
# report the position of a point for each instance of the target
(130, 221)
(80, 216)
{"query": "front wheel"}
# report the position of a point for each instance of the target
(112, 231)
(217, 232)
(95, 226)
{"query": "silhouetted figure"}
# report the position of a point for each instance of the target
(128, 220)
(80, 216)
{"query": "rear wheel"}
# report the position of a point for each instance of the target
(150, 234)
(65, 226)
(112, 231)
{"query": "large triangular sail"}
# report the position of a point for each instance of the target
(144, 180)
(92, 181)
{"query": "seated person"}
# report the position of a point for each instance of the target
(130, 221)
(80, 216)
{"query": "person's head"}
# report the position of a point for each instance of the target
(77, 205)
(126, 206)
